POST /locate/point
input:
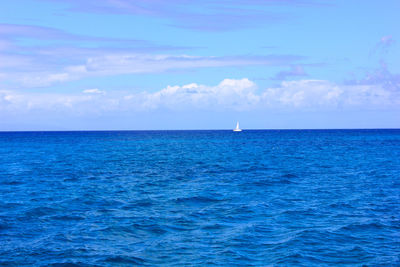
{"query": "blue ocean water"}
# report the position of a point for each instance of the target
(184, 198)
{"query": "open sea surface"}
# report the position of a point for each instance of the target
(189, 198)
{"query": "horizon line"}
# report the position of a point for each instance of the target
(159, 130)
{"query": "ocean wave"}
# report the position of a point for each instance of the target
(197, 200)
(261, 198)
(125, 260)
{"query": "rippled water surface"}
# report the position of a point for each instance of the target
(200, 198)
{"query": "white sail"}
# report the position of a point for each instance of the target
(237, 129)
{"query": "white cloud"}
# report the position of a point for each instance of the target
(93, 91)
(303, 93)
(320, 94)
(229, 94)
(121, 63)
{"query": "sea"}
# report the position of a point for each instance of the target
(200, 198)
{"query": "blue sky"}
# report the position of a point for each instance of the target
(180, 64)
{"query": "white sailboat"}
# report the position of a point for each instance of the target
(237, 129)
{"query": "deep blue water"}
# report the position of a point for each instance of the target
(297, 197)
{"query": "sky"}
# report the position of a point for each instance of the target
(186, 64)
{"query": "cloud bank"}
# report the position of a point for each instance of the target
(65, 59)
(45, 68)
(229, 94)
